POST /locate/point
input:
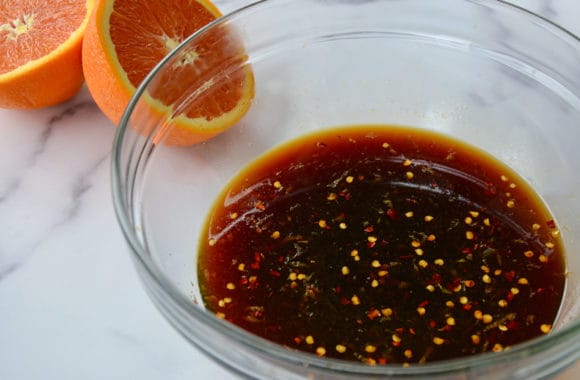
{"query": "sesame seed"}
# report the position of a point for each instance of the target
(228, 300)
(301, 276)
(463, 300)
(408, 354)
(511, 203)
(419, 252)
(450, 304)
(475, 339)
(221, 303)
(383, 273)
(487, 318)
(415, 244)
(309, 339)
(502, 328)
(478, 314)
(536, 227)
(430, 288)
(372, 239)
(523, 281)
(555, 233)
(423, 264)
(340, 348)
(502, 303)
(396, 338)
(331, 197)
(469, 235)
(497, 272)
(349, 179)
(486, 279)
(497, 347)
(428, 218)
(220, 315)
(407, 163)
(550, 245)
(439, 262)
(543, 258)
(230, 286)
(320, 351)
(322, 223)
(485, 268)
(387, 312)
(354, 252)
(292, 276)
(211, 242)
(504, 178)
(450, 321)
(370, 348)
(275, 235)
(468, 220)
(345, 270)
(376, 264)
(487, 222)
(474, 214)
(529, 254)
(277, 185)
(514, 291)
(438, 341)
(241, 267)
(355, 300)
(431, 237)
(233, 215)
(421, 311)
(545, 328)
(409, 175)
(409, 214)
(374, 283)
(385, 145)
(342, 226)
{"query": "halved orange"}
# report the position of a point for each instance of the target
(126, 39)
(40, 50)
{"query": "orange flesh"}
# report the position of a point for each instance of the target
(141, 45)
(32, 29)
(161, 25)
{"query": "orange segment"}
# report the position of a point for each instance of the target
(126, 39)
(40, 46)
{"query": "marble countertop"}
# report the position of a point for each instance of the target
(71, 305)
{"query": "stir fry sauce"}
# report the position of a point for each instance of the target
(383, 245)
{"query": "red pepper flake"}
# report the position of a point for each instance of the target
(382, 360)
(369, 229)
(551, 223)
(432, 324)
(274, 273)
(467, 307)
(392, 214)
(509, 275)
(374, 313)
(424, 303)
(412, 331)
(344, 301)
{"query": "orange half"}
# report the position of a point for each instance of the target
(126, 39)
(40, 46)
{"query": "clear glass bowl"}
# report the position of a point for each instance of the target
(482, 71)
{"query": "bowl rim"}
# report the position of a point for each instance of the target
(266, 347)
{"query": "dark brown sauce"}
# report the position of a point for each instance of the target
(383, 245)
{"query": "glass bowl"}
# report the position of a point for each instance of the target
(484, 72)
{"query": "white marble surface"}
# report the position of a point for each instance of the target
(71, 306)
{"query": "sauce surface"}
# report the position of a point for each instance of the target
(382, 244)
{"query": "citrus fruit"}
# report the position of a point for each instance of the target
(126, 39)
(40, 49)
